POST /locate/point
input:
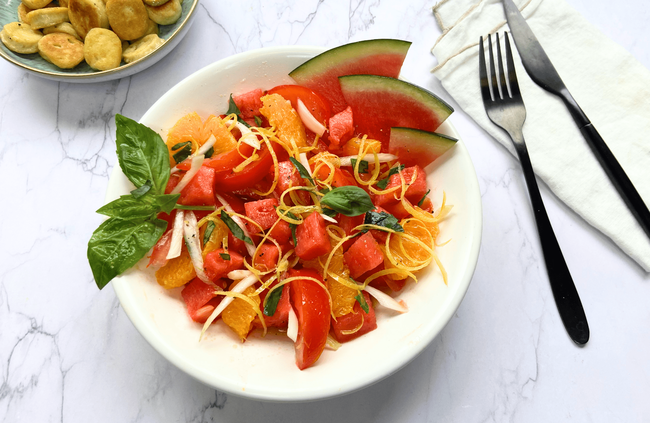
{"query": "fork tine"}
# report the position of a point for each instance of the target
(512, 75)
(482, 70)
(502, 76)
(493, 73)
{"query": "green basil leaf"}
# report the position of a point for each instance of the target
(301, 170)
(363, 165)
(384, 219)
(184, 207)
(166, 202)
(348, 200)
(272, 302)
(118, 244)
(181, 145)
(209, 153)
(142, 154)
(293, 227)
(236, 230)
(129, 207)
(324, 190)
(423, 198)
(382, 184)
(329, 212)
(258, 121)
(232, 108)
(362, 302)
(209, 228)
(139, 192)
(183, 153)
(225, 256)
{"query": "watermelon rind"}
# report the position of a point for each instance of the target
(378, 57)
(380, 103)
(418, 147)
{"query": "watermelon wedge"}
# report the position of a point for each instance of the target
(380, 103)
(382, 57)
(417, 147)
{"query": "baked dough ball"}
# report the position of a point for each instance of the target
(49, 16)
(86, 15)
(65, 27)
(155, 2)
(166, 14)
(102, 49)
(128, 18)
(22, 12)
(36, 4)
(142, 47)
(152, 28)
(62, 50)
(20, 38)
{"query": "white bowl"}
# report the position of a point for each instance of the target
(82, 73)
(264, 368)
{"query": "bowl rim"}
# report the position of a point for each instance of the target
(99, 74)
(120, 286)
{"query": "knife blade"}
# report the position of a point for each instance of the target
(543, 73)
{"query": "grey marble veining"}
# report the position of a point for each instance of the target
(68, 353)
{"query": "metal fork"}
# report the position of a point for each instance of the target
(507, 110)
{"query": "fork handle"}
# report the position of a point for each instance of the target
(564, 290)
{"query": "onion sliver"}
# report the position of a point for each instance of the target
(239, 288)
(248, 137)
(305, 162)
(177, 236)
(292, 328)
(191, 235)
(370, 158)
(330, 219)
(208, 145)
(197, 161)
(386, 300)
(236, 275)
(309, 120)
(249, 247)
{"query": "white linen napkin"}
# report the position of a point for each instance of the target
(611, 86)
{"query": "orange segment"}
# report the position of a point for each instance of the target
(351, 148)
(239, 315)
(177, 272)
(191, 128)
(287, 123)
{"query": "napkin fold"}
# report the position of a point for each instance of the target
(611, 86)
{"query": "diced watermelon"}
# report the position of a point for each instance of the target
(289, 177)
(262, 212)
(397, 210)
(266, 257)
(352, 320)
(218, 266)
(363, 256)
(249, 103)
(200, 190)
(380, 236)
(312, 238)
(282, 232)
(236, 244)
(199, 298)
(235, 202)
(416, 147)
(280, 318)
(160, 250)
(376, 57)
(380, 103)
(341, 127)
(347, 223)
(414, 191)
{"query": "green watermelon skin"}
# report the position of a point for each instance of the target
(382, 57)
(417, 147)
(380, 103)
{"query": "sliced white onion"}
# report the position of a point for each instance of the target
(197, 161)
(328, 218)
(309, 120)
(305, 162)
(247, 136)
(370, 158)
(202, 150)
(332, 343)
(292, 328)
(249, 247)
(177, 236)
(191, 235)
(236, 275)
(386, 300)
(239, 288)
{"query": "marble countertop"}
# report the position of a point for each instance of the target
(69, 353)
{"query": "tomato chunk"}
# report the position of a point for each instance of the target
(358, 321)
(218, 266)
(262, 212)
(230, 181)
(363, 256)
(341, 128)
(414, 191)
(311, 303)
(200, 299)
(312, 238)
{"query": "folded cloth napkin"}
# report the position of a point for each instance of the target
(610, 85)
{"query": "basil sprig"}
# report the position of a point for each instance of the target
(383, 219)
(272, 302)
(348, 200)
(236, 230)
(132, 228)
(301, 170)
(362, 302)
(363, 165)
(423, 198)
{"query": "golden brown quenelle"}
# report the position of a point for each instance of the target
(128, 18)
(86, 15)
(102, 49)
(62, 50)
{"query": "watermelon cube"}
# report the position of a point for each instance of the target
(341, 127)
(282, 232)
(200, 190)
(262, 212)
(266, 257)
(312, 238)
(200, 299)
(249, 103)
(280, 318)
(220, 262)
(348, 322)
(414, 191)
(289, 177)
(363, 256)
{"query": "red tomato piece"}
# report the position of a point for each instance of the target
(224, 161)
(311, 303)
(341, 127)
(353, 320)
(312, 238)
(249, 103)
(235, 202)
(281, 232)
(262, 212)
(230, 181)
(289, 177)
(200, 190)
(414, 191)
(266, 257)
(198, 297)
(363, 256)
(217, 267)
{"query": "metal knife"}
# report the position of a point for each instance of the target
(543, 73)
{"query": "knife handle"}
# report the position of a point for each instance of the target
(608, 161)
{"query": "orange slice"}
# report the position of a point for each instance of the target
(177, 272)
(239, 314)
(287, 123)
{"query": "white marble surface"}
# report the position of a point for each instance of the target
(68, 352)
